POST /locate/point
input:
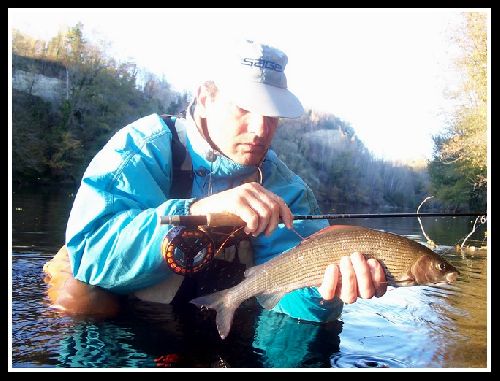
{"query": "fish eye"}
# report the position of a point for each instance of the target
(441, 266)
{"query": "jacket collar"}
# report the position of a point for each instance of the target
(213, 171)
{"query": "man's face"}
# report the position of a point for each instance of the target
(241, 135)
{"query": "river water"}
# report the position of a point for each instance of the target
(409, 327)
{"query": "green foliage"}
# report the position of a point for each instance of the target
(459, 167)
(451, 185)
(30, 118)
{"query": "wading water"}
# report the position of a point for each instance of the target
(424, 326)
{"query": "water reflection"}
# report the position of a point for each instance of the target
(100, 345)
(39, 218)
(35, 334)
(288, 343)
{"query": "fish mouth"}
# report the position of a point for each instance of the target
(451, 277)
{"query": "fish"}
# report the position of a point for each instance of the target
(405, 263)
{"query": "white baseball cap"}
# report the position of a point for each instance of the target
(254, 79)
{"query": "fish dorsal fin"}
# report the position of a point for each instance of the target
(335, 229)
(268, 301)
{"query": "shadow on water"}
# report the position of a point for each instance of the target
(258, 338)
(438, 326)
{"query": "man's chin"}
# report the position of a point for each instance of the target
(248, 159)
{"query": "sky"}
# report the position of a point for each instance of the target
(383, 71)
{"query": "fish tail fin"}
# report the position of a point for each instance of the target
(224, 307)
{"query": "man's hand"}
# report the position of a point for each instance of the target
(259, 208)
(353, 277)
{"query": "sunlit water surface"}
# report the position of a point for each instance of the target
(417, 327)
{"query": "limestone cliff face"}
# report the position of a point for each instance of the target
(49, 88)
(39, 77)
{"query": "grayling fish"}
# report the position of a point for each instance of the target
(405, 263)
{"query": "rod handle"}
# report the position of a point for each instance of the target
(224, 219)
(210, 220)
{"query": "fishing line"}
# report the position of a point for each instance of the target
(233, 234)
(432, 244)
(473, 230)
(481, 219)
(429, 241)
(298, 234)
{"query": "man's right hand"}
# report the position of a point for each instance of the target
(258, 207)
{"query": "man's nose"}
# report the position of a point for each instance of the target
(257, 125)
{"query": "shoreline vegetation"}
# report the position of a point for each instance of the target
(69, 98)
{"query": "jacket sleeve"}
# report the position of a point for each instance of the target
(113, 234)
(305, 303)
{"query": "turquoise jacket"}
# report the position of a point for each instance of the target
(114, 233)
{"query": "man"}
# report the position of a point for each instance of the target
(113, 237)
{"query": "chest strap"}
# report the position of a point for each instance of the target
(182, 167)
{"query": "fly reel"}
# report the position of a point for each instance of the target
(187, 250)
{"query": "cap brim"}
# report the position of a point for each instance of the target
(264, 99)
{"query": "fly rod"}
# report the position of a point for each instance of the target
(228, 219)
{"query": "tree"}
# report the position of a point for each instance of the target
(463, 146)
(30, 116)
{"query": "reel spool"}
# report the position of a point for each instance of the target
(187, 250)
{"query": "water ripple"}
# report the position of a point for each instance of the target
(346, 360)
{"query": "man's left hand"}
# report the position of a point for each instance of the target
(354, 276)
